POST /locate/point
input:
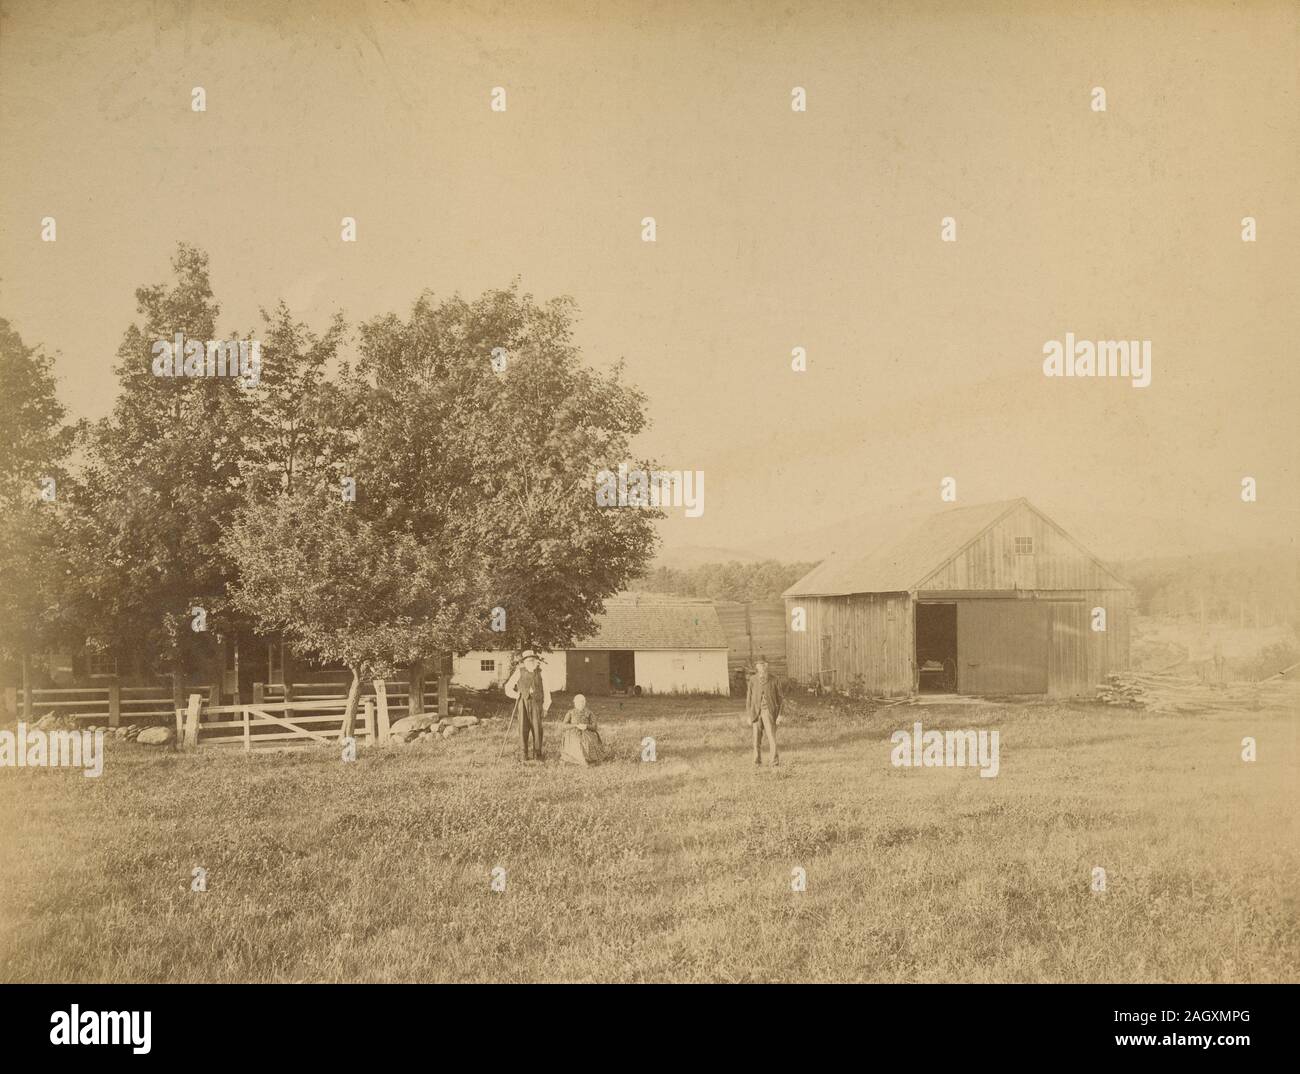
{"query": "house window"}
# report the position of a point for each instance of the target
(1024, 546)
(487, 665)
(101, 664)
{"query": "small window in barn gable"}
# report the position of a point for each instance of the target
(487, 665)
(1024, 546)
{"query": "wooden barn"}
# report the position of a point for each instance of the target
(990, 599)
(753, 629)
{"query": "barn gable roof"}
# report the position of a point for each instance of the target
(650, 621)
(903, 565)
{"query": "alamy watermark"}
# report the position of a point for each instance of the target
(1104, 358)
(183, 357)
(919, 748)
(34, 748)
(631, 487)
(75, 1026)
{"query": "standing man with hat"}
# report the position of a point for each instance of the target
(532, 698)
(763, 702)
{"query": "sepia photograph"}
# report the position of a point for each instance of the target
(649, 493)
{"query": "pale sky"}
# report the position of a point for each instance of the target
(776, 229)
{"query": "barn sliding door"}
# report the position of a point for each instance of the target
(1002, 647)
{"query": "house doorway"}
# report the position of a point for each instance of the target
(936, 648)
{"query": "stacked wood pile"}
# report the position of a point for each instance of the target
(1122, 689)
(1164, 692)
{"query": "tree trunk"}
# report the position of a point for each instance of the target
(416, 680)
(27, 687)
(354, 697)
(286, 670)
(444, 681)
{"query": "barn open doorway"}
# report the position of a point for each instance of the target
(936, 648)
(622, 671)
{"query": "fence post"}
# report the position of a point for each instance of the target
(27, 687)
(114, 703)
(248, 736)
(192, 721)
(259, 693)
(381, 704)
(444, 682)
(370, 719)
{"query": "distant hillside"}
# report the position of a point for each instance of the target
(688, 557)
(1111, 535)
(737, 581)
(1179, 567)
(1250, 587)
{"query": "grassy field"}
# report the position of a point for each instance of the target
(678, 870)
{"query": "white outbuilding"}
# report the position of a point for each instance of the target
(645, 643)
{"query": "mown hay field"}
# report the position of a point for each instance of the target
(676, 870)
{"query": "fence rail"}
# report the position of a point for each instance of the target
(112, 704)
(277, 723)
(399, 693)
(310, 721)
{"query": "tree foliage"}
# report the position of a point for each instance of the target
(34, 485)
(162, 481)
(736, 581)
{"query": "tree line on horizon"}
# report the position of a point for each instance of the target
(729, 581)
(432, 494)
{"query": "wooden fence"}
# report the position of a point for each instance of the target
(399, 693)
(280, 723)
(113, 705)
(271, 724)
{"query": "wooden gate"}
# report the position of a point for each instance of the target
(295, 723)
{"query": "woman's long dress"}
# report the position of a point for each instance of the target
(582, 744)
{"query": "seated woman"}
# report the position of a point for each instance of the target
(582, 744)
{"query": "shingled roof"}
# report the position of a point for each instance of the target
(901, 565)
(651, 621)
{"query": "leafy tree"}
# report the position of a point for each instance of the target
(333, 585)
(163, 478)
(34, 439)
(486, 475)
(34, 484)
(298, 434)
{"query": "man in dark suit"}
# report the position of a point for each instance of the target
(532, 699)
(763, 703)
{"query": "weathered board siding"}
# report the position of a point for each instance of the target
(754, 629)
(864, 639)
(991, 560)
(1067, 670)
(869, 639)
